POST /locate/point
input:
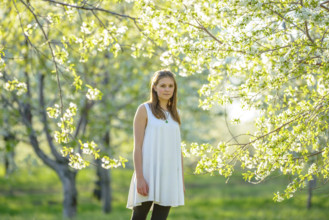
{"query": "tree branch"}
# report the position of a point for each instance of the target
(46, 128)
(210, 34)
(281, 16)
(324, 34)
(307, 33)
(100, 21)
(91, 9)
(52, 54)
(26, 116)
(322, 5)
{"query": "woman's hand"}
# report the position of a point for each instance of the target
(142, 187)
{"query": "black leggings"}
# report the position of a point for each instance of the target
(159, 212)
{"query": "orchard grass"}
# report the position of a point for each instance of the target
(37, 194)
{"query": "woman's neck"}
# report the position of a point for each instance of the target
(163, 105)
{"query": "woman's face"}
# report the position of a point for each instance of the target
(165, 88)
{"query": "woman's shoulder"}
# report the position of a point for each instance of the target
(142, 107)
(145, 104)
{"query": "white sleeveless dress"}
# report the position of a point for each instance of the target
(162, 166)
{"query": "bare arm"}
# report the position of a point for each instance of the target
(140, 121)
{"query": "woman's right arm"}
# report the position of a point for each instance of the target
(140, 121)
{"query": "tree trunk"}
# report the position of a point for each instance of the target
(104, 184)
(68, 179)
(311, 186)
(103, 189)
(9, 162)
(10, 143)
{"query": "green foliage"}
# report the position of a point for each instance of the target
(34, 193)
(269, 56)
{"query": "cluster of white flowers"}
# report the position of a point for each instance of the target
(66, 124)
(117, 47)
(108, 163)
(88, 148)
(66, 152)
(93, 94)
(104, 39)
(166, 58)
(248, 162)
(77, 162)
(71, 111)
(53, 112)
(78, 40)
(279, 198)
(209, 166)
(184, 150)
(220, 163)
(20, 87)
(312, 168)
(50, 18)
(86, 28)
(62, 137)
(122, 30)
(195, 149)
(69, 13)
(322, 87)
(61, 56)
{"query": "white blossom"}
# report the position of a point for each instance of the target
(92, 94)
(122, 30)
(77, 162)
(85, 29)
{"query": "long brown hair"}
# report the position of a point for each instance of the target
(154, 102)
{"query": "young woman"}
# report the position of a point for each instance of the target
(158, 179)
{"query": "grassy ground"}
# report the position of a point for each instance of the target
(36, 195)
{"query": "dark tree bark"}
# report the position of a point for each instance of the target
(105, 192)
(59, 164)
(311, 186)
(10, 143)
(68, 179)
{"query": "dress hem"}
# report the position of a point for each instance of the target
(156, 202)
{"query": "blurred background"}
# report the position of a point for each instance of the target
(32, 172)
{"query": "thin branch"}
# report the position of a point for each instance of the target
(83, 117)
(100, 21)
(324, 34)
(52, 54)
(210, 34)
(91, 9)
(274, 49)
(310, 155)
(26, 116)
(306, 27)
(281, 16)
(228, 128)
(322, 5)
(307, 33)
(236, 136)
(46, 128)
(140, 30)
